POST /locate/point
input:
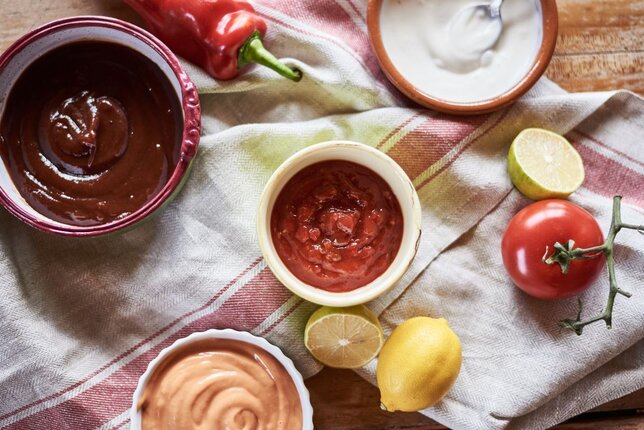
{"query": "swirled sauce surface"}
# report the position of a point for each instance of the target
(89, 133)
(220, 384)
(436, 46)
(337, 225)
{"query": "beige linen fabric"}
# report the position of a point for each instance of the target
(81, 319)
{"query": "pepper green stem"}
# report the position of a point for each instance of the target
(565, 254)
(253, 51)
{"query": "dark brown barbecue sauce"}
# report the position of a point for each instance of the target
(90, 132)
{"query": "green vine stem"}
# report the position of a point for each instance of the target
(565, 254)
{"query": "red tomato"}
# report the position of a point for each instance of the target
(538, 226)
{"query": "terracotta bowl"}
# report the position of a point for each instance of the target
(57, 33)
(541, 61)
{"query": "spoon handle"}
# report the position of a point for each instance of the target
(495, 7)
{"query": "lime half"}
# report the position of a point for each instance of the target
(345, 338)
(544, 165)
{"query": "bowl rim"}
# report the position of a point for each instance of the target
(319, 296)
(243, 336)
(550, 26)
(189, 139)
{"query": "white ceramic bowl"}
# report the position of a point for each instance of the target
(307, 409)
(387, 169)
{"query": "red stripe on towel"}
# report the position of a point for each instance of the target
(431, 141)
(334, 21)
(245, 310)
(609, 178)
(458, 154)
(138, 345)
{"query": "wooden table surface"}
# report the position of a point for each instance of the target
(600, 47)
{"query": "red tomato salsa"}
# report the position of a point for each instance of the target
(337, 225)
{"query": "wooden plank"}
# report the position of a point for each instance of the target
(600, 46)
(343, 401)
(604, 423)
(599, 40)
(633, 401)
(600, 13)
(19, 16)
(597, 72)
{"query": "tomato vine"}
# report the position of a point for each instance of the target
(565, 254)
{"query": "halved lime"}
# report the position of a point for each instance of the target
(345, 338)
(544, 165)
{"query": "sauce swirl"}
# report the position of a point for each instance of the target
(220, 384)
(90, 132)
(337, 225)
(435, 48)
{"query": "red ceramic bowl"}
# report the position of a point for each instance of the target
(57, 33)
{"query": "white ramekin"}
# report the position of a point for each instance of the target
(386, 168)
(307, 409)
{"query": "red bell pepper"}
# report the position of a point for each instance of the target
(222, 36)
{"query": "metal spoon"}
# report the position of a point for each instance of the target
(476, 28)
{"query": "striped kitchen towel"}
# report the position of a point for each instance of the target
(81, 318)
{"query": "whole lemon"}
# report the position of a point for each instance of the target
(418, 364)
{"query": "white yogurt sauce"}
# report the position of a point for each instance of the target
(416, 36)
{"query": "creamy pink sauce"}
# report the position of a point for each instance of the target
(218, 384)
